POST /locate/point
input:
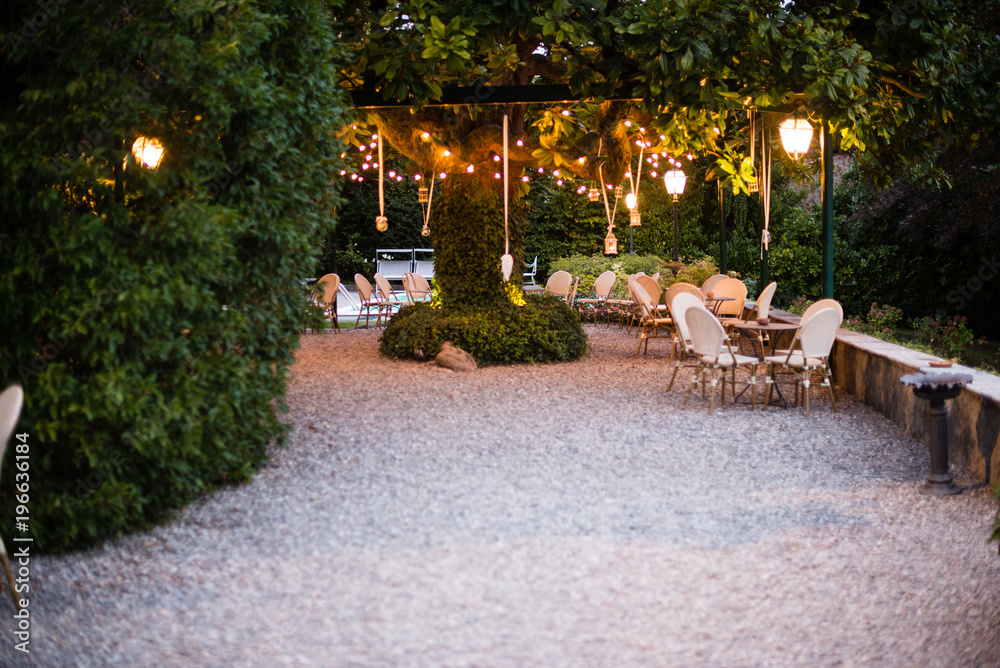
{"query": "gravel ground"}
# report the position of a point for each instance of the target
(556, 515)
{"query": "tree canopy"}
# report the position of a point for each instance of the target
(894, 81)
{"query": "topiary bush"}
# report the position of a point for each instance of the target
(152, 313)
(543, 330)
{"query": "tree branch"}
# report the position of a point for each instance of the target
(902, 87)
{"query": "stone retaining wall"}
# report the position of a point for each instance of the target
(870, 369)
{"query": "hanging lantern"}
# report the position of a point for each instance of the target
(593, 194)
(634, 219)
(753, 186)
(619, 191)
(381, 223)
(674, 181)
(425, 232)
(611, 244)
(796, 135)
(631, 201)
(422, 193)
(147, 152)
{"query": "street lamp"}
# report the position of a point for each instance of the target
(674, 181)
(147, 152)
(796, 135)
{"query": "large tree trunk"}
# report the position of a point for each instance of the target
(468, 237)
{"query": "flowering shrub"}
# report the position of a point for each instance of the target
(881, 323)
(951, 339)
(799, 305)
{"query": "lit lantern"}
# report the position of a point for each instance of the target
(611, 244)
(753, 186)
(675, 180)
(634, 219)
(619, 191)
(631, 202)
(593, 194)
(796, 135)
(422, 194)
(147, 152)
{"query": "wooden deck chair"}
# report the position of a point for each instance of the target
(11, 402)
(681, 353)
(559, 284)
(650, 322)
(815, 339)
(368, 301)
(330, 284)
(710, 282)
(600, 294)
(715, 353)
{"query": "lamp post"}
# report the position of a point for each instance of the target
(796, 136)
(147, 151)
(634, 219)
(674, 181)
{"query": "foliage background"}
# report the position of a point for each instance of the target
(151, 315)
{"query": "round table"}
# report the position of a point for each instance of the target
(746, 326)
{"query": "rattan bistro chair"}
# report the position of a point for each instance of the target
(559, 284)
(815, 339)
(368, 301)
(328, 299)
(11, 402)
(682, 354)
(715, 353)
(710, 282)
(650, 321)
(596, 304)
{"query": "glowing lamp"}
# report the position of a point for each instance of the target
(634, 219)
(147, 151)
(593, 194)
(796, 135)
(675, 180)
(611, 244)
(630, 201)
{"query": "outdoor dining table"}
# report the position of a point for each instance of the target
(716, 302)
(747, 326)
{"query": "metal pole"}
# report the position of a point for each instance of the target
(630, 251)
(826, 142)
(765, 270)
(723, 260)
(676, 257)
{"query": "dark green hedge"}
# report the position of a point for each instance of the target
(152, 314)
(543, 330)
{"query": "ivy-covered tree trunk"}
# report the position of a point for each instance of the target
(468, 238)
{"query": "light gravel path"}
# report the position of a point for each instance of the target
(556, 515)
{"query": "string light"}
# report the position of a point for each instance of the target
(496, 175)
(368, 157)
(362, 148)
(581, 160)
(470, 168)
(364, 166)
(524, 178)
(496, 158)
(374, 144)
(555, 172)
(559, 182)
(360, 179)
(565, 112)
(392, 174)
(442, 175)
(374, 137)
(447, 153)
(519, 142)
(541, 170)
(425, 135)
(399, 178)
(416, 177)
(354, 177)
(628, 124)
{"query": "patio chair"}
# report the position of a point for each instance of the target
(715, 353)
(417, 288)
(11, 402)
(679, 288)
(387, 297)
(763, 304)
(531, 270)
(571, 297)
(559, 284)
(735, 288)
(681, 353)
(710, 282)
(600, 294)
(328, 300)
(654, 291)
(815, 339)
(812, 310)
(650, 321)
(366, 295)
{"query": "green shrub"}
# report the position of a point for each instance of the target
(152, 314)
(588, 268)
(543, 330)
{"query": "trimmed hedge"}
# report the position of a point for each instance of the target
(588, 268)
(545, 329)
(152, 314)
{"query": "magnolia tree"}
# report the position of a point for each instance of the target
(892, 81)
